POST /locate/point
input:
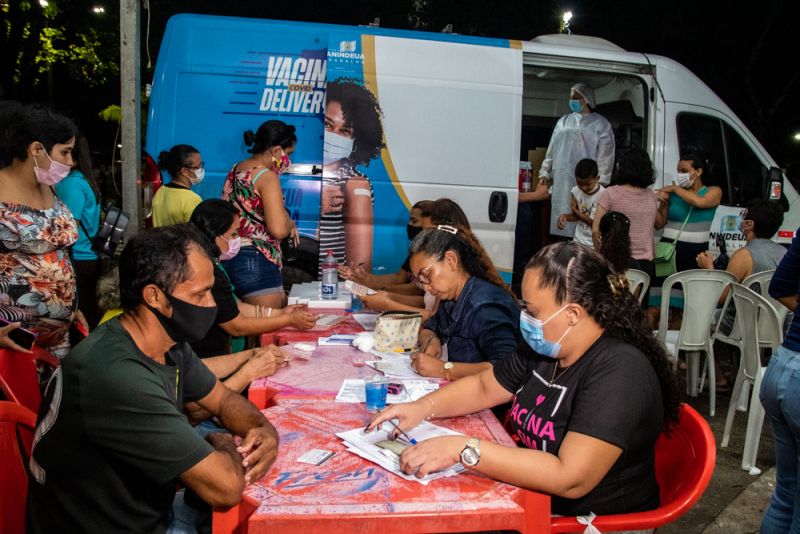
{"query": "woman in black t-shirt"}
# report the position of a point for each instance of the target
(590, 392)
(219, 222)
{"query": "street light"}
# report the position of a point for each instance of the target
(796, 137)
(565, 20)
(98, 10)
(43, 3)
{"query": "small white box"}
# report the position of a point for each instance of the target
(310, 293)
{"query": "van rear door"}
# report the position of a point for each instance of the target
(450, 122)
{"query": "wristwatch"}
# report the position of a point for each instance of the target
(471, 453)
(448, 370)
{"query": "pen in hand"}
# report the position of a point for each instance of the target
(403, 432)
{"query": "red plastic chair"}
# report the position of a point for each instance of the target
(17, 425)
(684, 465)
(18, 371)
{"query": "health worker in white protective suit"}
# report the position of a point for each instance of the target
(578, 135)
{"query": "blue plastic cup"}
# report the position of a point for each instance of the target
(376, 389)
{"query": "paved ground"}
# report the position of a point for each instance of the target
(734, 501)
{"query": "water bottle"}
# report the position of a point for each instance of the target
(330, 277)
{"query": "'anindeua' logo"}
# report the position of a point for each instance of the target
(729, 223)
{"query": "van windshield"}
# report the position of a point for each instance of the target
(620, 98)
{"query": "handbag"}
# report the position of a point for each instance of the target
(110, 232)
(397, 330)
(664, 254)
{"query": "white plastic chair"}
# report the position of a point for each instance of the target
(754, 314)
(758, 282)
(701, 291)
(638, 279)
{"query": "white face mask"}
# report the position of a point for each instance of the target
(337, 147)
(199, 174)
(684, 180)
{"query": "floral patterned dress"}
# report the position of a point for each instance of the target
(239, 190)
(37, 281)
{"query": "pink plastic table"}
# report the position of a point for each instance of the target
(291, 335)
(349, 494)
(319, 378)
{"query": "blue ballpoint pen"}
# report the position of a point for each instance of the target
(409, 438)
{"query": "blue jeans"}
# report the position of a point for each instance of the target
(780, 396)
(252, 274)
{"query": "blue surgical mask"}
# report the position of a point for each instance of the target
(533, 334)
(575, 105)
(336, 147)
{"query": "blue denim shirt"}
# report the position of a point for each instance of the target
(786, 283)
(481, 325)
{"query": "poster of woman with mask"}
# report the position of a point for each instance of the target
(583, 133)
(353, 138)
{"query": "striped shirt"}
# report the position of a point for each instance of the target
(331, 225)
(639, 205)
(698, 225)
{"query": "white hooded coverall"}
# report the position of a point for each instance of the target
(575, 137)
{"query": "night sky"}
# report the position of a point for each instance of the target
(748, 55)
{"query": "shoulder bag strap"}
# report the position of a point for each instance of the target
(686, 220)
(80, 223)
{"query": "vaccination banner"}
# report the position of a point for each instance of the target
(382, 121)
(360, 207)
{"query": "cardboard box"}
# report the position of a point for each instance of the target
(536, 157)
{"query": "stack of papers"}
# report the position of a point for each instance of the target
(365, 445)
(399, 367)
(352, 391)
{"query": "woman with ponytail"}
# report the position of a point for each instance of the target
(591, 390)
(253, 186)
(477, 319)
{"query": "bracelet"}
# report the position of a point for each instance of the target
(259, 311)
(269, 313)
(433, 407)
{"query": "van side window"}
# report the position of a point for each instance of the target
(704, 134)
(747, 173)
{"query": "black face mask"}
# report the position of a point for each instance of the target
(412, 231)
(189, 323)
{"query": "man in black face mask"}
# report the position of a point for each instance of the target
(112, 441)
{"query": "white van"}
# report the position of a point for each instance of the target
(427, 116)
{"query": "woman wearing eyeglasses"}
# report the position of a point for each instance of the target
(477, 319)
(591, 390)
(175, 201)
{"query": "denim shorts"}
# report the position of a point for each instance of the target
(252, 274)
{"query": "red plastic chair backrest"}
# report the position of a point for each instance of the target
(17, 425)
(19, 374)
(684, 464)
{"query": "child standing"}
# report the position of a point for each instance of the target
(584, 197)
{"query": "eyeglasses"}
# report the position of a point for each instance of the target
(422, 278)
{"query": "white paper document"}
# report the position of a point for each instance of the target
(366, 320)
(364, 445)
(397, 367)
(352, 391)
(336, 339)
